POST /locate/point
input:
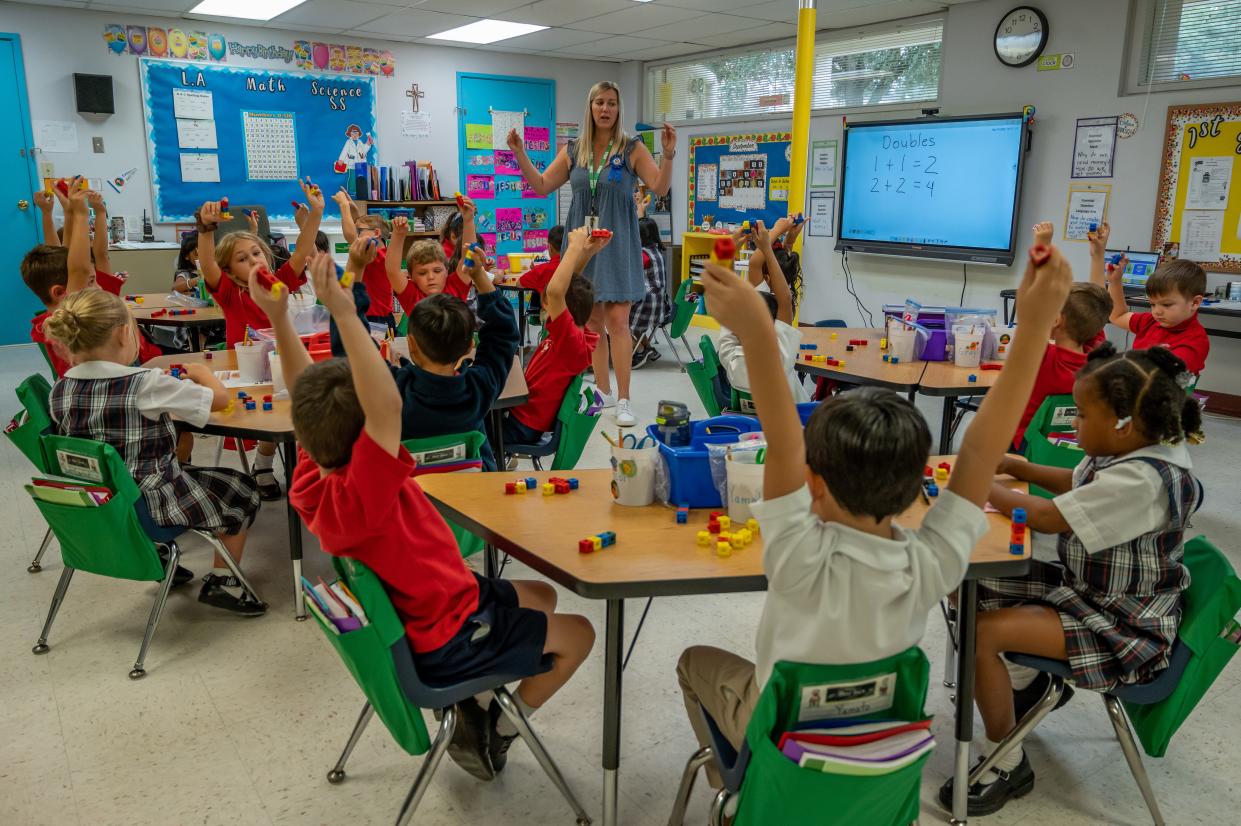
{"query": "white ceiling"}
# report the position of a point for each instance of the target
(614, 30)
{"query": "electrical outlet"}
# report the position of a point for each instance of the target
(47, 169)
(97, 144)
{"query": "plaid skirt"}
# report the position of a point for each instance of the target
(1107, 644)
(209, 499)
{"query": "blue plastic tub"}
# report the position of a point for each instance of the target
(805, 410)
(689, 468)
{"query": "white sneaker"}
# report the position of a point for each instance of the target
(606, 399)
(624, 416)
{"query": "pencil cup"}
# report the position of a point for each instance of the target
(252, 362)
(1004, 341)
(277, 374)
(745, 486)
(901, 341)
(633, 475)
(967, 346)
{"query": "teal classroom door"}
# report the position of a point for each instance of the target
(507, 220)
(18, 214)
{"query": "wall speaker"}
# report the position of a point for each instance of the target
(93, 94)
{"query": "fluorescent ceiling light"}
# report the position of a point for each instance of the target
(246, 9)
(487, 31)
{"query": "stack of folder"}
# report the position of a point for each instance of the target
(68, 492)
(335, 605)
(858, 748)
(410, 181)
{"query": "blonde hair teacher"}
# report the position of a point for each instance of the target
(604, 167)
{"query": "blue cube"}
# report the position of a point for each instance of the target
(682, 517)
(532, 483)
(572, 483)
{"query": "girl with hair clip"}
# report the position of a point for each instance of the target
(132, 408)
(1112, 605)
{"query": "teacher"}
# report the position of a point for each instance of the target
(604, 167)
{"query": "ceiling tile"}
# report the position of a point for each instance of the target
(761, 35)
(564, 12)
(332, 14)
(552, 39)
(635, 18)
(707, 5)
(618, 46)
(695, 29)
(154, 5)
(669, 50)
(480, 8)
(780, 11)
(415, 22)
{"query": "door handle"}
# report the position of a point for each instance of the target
(23, 205)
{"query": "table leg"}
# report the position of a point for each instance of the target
(967, 604)
(496, 418)
(199, 340)
(289, 449)
(612, 668)
(945, 427)
(491, 562)
(521, 320)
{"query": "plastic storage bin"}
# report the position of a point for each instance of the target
(689, 469)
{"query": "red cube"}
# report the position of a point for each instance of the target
(585, 546)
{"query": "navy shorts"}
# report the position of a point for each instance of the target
(516, 433)
(499, 638)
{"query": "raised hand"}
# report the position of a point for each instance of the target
(362, 252)
(515, 141)
(1044, 287)
(400, 228)
(44, 200)
(209, 216)
(734, 303)
(274, 307)
(668, 141)
(96, 201)
(1098, 239)
(337, 299)
(314, 195)
(1043, 231)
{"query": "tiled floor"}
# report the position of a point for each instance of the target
(238, 721)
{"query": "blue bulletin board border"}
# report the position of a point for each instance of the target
(310, 95)
(708, 149)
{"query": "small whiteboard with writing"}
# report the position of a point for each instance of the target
(1086, 206)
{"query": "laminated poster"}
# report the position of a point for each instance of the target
(535, 240)
(506, 163)
(479, 186)
(478, 136)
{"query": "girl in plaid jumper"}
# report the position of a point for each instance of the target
(131, 408)
(1111, 605)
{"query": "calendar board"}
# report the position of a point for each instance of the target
(249, 134)
(735, 178)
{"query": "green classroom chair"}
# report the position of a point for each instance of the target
(771, 788)
(48, 358)
(1157, 708)
(402, 326)
(704, 375)
(26, 431)
(1054, 415)
(116, 539)
(454, 447)
(379, 657)
(569, 434)
(685, 305)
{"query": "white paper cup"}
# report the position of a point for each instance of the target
(745, 486)
(277, 374)
(901, 342)
(633, 475)
(252, 363)
(967, 346)
(1004, 341)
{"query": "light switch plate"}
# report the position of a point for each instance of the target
(47, 169)
(97, 144)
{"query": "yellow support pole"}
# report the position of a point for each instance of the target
(803, 95)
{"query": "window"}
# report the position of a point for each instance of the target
(899, 65)
(1185, 44)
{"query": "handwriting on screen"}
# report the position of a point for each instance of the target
(909, 168)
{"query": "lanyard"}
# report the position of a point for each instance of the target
(594, 169)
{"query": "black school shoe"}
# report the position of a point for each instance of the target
(498, 748)
(269, 488)
(989, 799)
(214, 593)
(471, 741)
(1028, 697)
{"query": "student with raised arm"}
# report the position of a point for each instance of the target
(44, 200)
(428, 271)
(354, 491)
(846, 584)
(1175, 291)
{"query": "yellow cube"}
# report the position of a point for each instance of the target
(752, 525)
(840, 363)
(725, 522)
(883, 344)
(941, 475)
(738, 542)
(833, 336)
(723, 549)
(704, 538)
(746, 536)
(521, 487)
(597, 542)
(725, 536)
(549, 489)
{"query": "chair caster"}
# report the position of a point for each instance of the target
(584, 821)
(336, 776)
(40, 648)
(137, 673)
(33, 568)
(302, 618)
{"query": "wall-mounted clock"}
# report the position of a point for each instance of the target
(1021, 36)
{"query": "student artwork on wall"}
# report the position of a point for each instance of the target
(1197, 210)
(268, 129)
(739, 178)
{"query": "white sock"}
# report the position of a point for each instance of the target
(262, 462)
(504, 725)
(1020, 675)
(225, 573)
(1010, 761)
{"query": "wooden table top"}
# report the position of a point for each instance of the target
(277, 423)
(943, 378)
(160, 301)
(511, 281)
(865, 365)
(653, 555)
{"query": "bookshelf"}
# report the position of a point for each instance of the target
(421, 210)
(696, 249)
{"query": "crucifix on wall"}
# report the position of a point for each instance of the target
(414, 94)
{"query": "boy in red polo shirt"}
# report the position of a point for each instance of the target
(353, 489)
(1175, 291)
(53, 272)
(540, 275)
(566, 352)
(375, 276)
(428, 270)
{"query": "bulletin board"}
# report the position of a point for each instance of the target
(248, 134)
(736, 178)
(1198, 209)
